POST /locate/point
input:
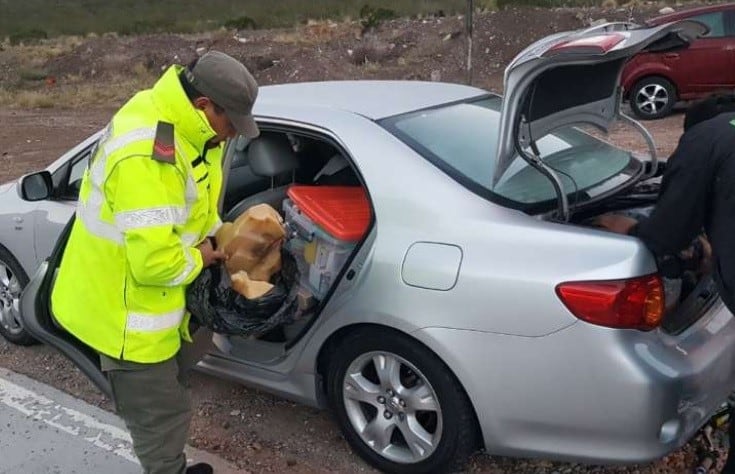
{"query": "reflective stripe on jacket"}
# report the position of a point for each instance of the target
(132, 250)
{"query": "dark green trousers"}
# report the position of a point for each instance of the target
(154, 401)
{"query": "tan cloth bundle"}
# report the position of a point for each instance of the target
(253, 247)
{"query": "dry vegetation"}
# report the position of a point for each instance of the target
(26, 82)
(107, 68)
(47, 18)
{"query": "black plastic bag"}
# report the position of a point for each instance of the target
(215, 305)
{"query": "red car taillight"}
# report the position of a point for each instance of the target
(637, 303)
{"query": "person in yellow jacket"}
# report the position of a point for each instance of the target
(147, 208)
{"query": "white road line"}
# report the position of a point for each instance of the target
(101, 435)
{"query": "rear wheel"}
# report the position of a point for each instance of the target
(12, 281)
(398, 405)
(652, 98)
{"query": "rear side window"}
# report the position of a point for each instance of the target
(461, 139)
(716, 23)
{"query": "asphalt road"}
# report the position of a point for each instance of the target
(43, 430)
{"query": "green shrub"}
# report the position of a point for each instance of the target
(27, 36)
(140, 27)
(32, 74)
(241, 23)
(371, 17)
(54, 17)
(547, 3)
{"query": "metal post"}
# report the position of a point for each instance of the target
(468, 27)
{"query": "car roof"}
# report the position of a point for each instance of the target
(682, 14)
(372, 99)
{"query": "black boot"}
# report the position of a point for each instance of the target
(201, 468)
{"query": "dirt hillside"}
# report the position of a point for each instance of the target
(432, 48)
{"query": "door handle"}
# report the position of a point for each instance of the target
(671, 56)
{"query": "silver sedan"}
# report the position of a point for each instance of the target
(479, 308)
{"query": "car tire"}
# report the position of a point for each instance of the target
(378, 413)
(12, 282)
(652, 98)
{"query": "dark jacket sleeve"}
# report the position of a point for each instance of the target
(682, 204)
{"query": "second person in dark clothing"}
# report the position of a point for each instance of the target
(697, 193)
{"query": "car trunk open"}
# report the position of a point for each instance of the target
(555, 90)
(537, 99)
(538, 102)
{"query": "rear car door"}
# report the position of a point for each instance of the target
(709, 63)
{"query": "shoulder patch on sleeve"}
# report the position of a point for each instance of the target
(163, 143)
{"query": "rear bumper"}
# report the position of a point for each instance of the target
(592, 394)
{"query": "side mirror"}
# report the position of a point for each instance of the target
(36, 186)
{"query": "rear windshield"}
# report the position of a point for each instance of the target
(462, 140)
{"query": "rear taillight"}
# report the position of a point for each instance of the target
(637, 303)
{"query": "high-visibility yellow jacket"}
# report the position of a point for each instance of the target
(148, 198)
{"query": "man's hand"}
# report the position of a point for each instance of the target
(209, 254)
(706, 262)
(698, 255)
(615, 223)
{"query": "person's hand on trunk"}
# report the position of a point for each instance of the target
(615, 223)
(698, 257)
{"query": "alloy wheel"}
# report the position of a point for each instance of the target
(652, 98)
(10, 291)
(393, 407)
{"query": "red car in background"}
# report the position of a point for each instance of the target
(655, 82)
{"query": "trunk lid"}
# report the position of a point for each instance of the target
(537, 98)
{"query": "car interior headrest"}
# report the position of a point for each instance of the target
(271, 154)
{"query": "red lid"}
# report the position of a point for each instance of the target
(343, 211)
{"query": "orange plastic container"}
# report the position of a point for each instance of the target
(342, 211)
(324, 224)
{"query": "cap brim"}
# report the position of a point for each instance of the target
(244, 124)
